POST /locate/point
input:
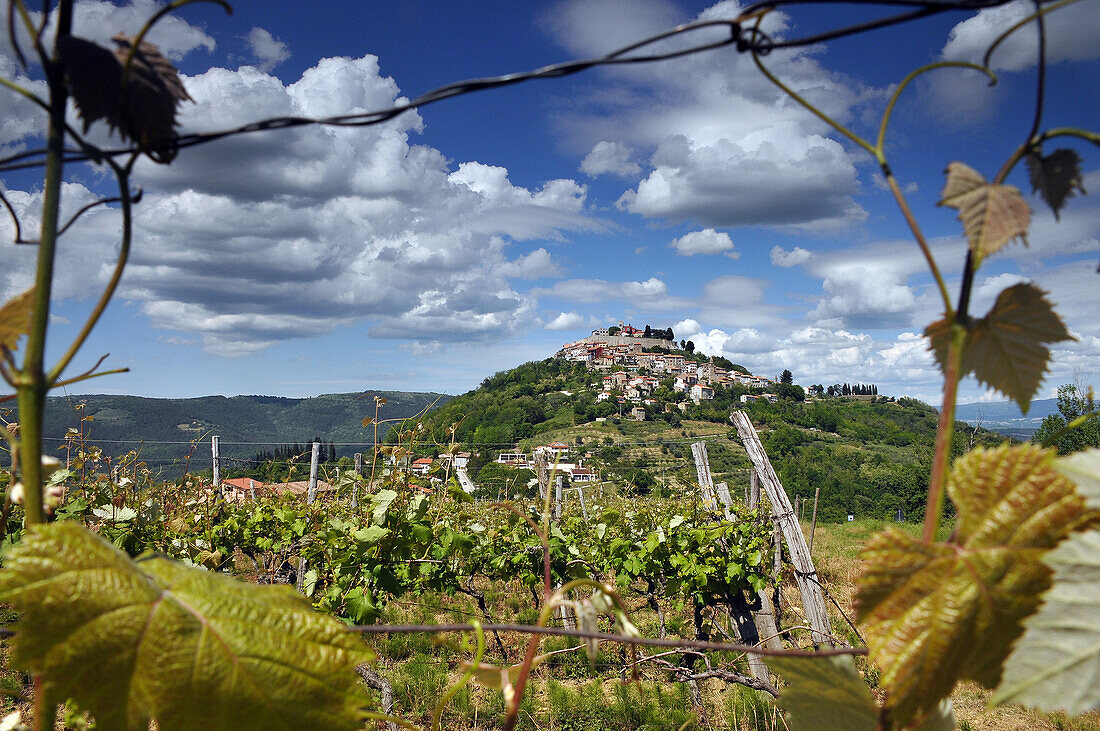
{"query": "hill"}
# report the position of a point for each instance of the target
(162, 429)
(869, 456)
(1006, 418)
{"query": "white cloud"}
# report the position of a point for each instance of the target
(650, 294)
(566, 321)
(610, 157)
(705, 241)
(268, 50)
(257, 239)
(1072, 34)
(794, 257)
(726, 147)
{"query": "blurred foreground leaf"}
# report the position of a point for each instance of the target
(152, 639)
(938, 613)
(992, 215)
(1055, 176)
(15, 318)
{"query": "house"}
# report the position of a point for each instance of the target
(421, 466)
(299, 488)
(238, 489)
(747, 398)
(462, 459)
(604, 396)
(582, 474)
(515, 459)
(699, 392)
(638, 413)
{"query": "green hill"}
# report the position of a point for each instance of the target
(162, 429)
(870, 456)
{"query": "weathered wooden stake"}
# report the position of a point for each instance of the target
(355, 484)
(217, 464)
(702, 469)
(314, 459)
(805, 575)
(310, 496)
(584, 510)
(559, 498)
(754, 490)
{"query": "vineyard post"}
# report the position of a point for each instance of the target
(355, 484)
(584, 510)
(217, 463)
(313, 463)
(702, 471)
(754, 490)
(559, 498)
(804, 573)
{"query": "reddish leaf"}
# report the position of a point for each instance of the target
(992, 215)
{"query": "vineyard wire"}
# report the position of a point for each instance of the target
(744, 39)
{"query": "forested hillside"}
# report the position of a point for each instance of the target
(870, 456)
(162, 428)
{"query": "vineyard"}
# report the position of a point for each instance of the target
(131, 602)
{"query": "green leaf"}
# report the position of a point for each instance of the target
(133, 641)
(1006, 349)
(1056, 663)
(1055, 176)
(370, 535)
(992, 215)
(15, 318)
(381, 502)
(937, 613)
(824, 693)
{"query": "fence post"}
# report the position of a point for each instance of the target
(314, 459)
(216, 458)
(584, 510)
(754, 489)
(558, 497)
(310, 496)
(702, 470)
(805, 575)
(355, 484)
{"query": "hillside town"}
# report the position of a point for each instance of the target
(638, 362)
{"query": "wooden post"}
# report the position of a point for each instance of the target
(805, 575)
(559, 498)
(355, 485)
(702, 470)
(252, 489)
(754, 490)
(310, 496)
(723, 491)
(217, 463)
(543, 474)
(314, 458)
(813, 526)
(584, 510)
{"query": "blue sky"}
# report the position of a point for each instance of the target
(487, 230)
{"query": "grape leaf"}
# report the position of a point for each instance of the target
(1006, 349)
(1055, 665)
(135, 640)
(142, 107)
(1084, 469)
(824, 693)
(937, 613)
(1055, 176)
(15, 318)
(992, 215)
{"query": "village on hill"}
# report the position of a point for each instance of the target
(639, 360)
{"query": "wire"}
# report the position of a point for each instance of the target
(744, 39)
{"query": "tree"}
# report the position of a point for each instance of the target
(648, 331)
(1072, 404)
(613, 330)
(689, 347)
(786, 377)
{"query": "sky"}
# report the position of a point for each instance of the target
(480, 232)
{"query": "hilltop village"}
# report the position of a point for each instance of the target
(640, 359)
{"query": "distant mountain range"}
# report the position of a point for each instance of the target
(1005, 417)
(161, 429)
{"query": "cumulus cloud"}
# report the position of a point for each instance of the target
(782, 258)
(651, 293)
(725, 147)
(706, 241)
(1072, 35)
(268, 50)
(255, 240)
(566, 321)
(610, 157)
